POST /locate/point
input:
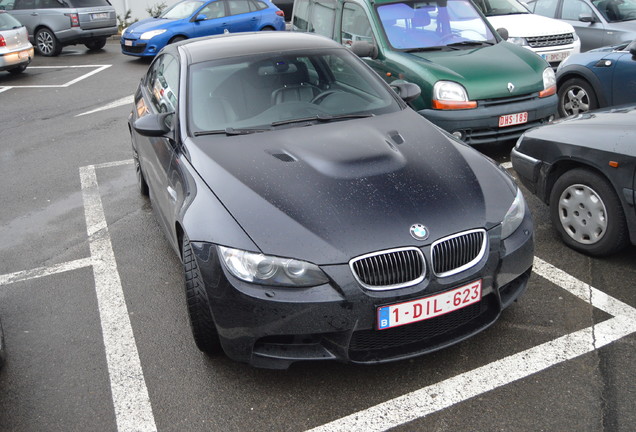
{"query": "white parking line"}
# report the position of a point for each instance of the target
(128, 100)
(97, 69)
(133, 411)
(428, 400)
(44, 271)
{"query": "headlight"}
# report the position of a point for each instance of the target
(518, 41)
(451, 95)
(514, 216)
(270, 270)
(549, 83)
(152, 33)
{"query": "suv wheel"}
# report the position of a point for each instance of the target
(96, 44)
(46, 43)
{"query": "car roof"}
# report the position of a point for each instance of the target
(241, 44)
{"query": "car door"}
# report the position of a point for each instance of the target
(215, 21)
(242, 16)
(624, 80)
(24, 11)
(159, 93)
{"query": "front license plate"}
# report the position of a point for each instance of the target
(513, 119)
(128, 43)
(418, 310)
(557, 56)
(99, 16)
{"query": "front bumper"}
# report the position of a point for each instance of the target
(139, 47)
(274, 327)
(531, 172)
(481, 125)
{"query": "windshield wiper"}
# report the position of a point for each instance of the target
(231, 131)
(470, 43)
(423, 49)
(320, 118)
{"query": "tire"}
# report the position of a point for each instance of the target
(177, 39)
(267, 28)
(46, 43)
(576, 96)
(201, 322)
(587, 213)
(18, 70)
(141, 181)
(95, 44)
(2, 348)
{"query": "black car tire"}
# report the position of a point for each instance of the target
(267, 28)
(576, 96)
(201, 322)
(18, 70)
(582, 199)
(141, 181)
(46, 43)
(177, 39)
(95, 44)
(2, 349)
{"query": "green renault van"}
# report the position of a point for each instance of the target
(474, 84)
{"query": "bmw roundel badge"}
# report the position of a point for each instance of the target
(419, 232)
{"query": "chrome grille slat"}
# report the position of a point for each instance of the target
(458, 252)
(550, 40)
(389, 269)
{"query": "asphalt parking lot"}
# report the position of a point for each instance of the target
(92, 304)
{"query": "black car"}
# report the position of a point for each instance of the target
(318, 216)
(584, 167)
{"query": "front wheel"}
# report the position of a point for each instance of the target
(203, 328)
(587, 213)
(177, 39)
(46, 43)
(576, 96)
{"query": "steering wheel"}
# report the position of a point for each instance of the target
(318, 99)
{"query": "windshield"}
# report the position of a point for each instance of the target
(501, 7)
(417, 24)
(182, 10)
(616, 10)
(274, 90)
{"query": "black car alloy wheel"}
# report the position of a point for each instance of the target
(587, 213)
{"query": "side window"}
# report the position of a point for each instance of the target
(214, 10)
(323, 18)
(544, 7)
(162, 84)
(301, 15)
(355, 25)
(238, 6)
(6, 4)
(24, 4)
(258, 5)
(572, 9)
(47, 4)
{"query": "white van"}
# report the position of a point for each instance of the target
(552, 39)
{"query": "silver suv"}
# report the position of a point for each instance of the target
(53, 24)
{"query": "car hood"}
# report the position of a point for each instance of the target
(150, 24)
(528, 24)
(480, 70)
(612, 130)
(329, 192)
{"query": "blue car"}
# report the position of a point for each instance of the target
(195, 18)
(595, 79)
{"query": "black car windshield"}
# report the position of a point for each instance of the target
(421, 25)
(182, 10)
(616, 10)
(271, 91)
(501, 7)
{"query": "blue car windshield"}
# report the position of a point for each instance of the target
(182, 10)
(284, 90)
(433, 24)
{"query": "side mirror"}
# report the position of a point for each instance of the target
(405, 90)
(200, 17)
(364, 49)
(503, 32)
(587, 18)
(154, 125)
(632, 49)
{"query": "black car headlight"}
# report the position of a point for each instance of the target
(514, 215)
(270, 270)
